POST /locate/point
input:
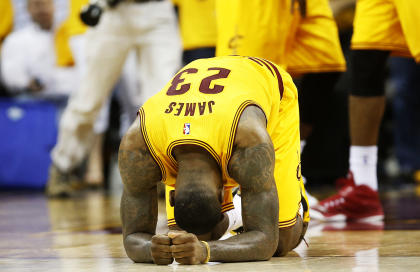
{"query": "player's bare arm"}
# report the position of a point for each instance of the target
(252, 166)
(288, 238)
(140, 175)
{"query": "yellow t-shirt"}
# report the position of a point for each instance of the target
(73, 25)
(197, 22)
(202, 105)
(390, 25)
(275, 30)
(6, 18)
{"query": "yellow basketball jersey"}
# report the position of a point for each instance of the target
(202, 105)
(197, 23)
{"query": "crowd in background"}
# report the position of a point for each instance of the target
(49, 56)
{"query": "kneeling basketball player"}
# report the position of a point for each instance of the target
(221, 122)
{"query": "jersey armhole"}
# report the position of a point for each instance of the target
(234, 127)
(143, 131)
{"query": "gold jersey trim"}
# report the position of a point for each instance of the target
(227, 207)
(149, 145)
(288, 223)
(232, 133)
(269, 64)
(194, 142)
(261, 63)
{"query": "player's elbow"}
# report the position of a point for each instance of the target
(134, 251)
(129, 250)
(268, 247)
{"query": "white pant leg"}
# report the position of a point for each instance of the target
(128, 92)
(107, 46)
(78, 45)
(159, 48)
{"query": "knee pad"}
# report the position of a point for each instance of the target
(367, 72)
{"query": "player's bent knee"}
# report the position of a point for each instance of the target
(281, 250)
(290, 238)
(367, 70)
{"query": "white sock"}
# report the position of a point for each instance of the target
(235, 215)
(363, 163)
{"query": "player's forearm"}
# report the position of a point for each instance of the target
(137, 247)
(14, 77)
(248, 246)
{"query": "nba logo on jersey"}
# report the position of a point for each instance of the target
(187, 128)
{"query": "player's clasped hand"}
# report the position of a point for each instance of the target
(184, 247)
(161, 249)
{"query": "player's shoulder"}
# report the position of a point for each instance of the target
(133, 138)
(251, 129)
(138, 169)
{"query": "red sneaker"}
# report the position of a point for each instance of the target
(352, 203)
(343, 182)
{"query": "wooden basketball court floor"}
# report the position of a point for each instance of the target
(84, 234)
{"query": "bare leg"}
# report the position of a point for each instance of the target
(365, 119)
(290, 237)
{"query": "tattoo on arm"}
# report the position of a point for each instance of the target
(140, 175)
(253, 168)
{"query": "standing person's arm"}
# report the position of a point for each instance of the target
(14, 68)
(139, 205)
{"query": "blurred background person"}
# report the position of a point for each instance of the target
(147, 26)
(405, 76)
(33, 67)
(6, 25)
(6, 15)
(300, 36)
(381, 28)
(197, 22)
(70, 46)
(29, 60)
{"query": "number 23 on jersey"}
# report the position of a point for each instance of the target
(179, 85)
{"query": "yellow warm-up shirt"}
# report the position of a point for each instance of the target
(197, 22)
(390, 25)
(275, 30)
(202, 105)
(6, 18)
(73, 25)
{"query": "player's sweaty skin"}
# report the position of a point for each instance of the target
(251, 165)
